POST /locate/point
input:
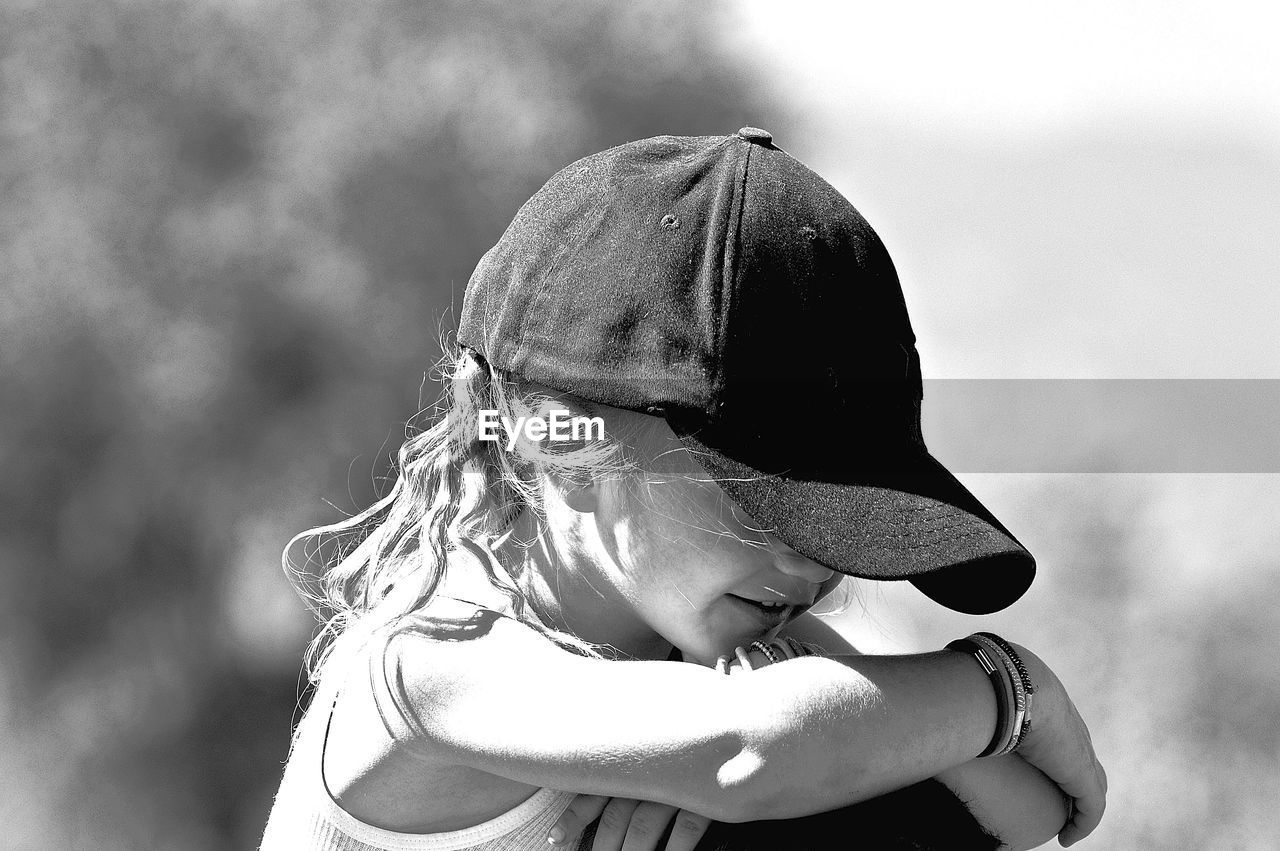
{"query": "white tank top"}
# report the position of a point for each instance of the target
(305, 815)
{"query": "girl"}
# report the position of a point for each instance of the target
(708, 397)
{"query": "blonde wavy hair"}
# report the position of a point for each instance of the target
(457, 496)
(453, 494)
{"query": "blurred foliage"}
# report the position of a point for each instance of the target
(233, 234)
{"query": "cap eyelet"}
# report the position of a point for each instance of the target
(670, 222)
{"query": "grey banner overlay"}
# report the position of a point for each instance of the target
(1104, 425)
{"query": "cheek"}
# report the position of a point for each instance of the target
(658, 540)
(690, 576)
(677, 553)
(654, 573)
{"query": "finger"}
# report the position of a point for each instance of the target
(1087, 804)
(648, 823)
(581, 811)
(1085, 787)
(687, 831)
(785, 648)
(612, 830)
(735, 667)
(1090, 794)
(1074, 767)
(1086, 817)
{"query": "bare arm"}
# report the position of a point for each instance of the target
(804, 737)
(1009, 797)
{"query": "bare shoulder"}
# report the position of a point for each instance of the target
(390, 761)
(406, 673)
(433, 656)
(813, 630)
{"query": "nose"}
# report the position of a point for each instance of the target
(794, 564)
(801, 567)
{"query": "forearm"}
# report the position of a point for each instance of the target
(1010, 798)
(809, 735)
(925, 816)
(1007, 795)
(845, 729)
(890, 822)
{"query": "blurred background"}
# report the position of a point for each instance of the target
(233, 233)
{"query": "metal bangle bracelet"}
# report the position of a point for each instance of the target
(1014, 681)
(996, 673)
(1028, 687)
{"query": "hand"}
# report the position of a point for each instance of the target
(628, 825)
(783, 649)
(1059, 745)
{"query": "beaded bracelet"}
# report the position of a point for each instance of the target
(767, 650)
(778, 650)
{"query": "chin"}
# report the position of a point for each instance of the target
(697, 659)
(702, 651)
(706, 645)
(698, 653)
(707, 651)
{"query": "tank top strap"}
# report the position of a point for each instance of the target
(386, 676)
(390, 696)
(310, 816)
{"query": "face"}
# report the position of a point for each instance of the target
(693, 567)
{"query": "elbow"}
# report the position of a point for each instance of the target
(733, 784)
(781, 766)
(738, 786)
(750, 786)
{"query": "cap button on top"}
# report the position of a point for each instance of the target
(755, 134)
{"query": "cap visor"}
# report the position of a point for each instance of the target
(916, 522)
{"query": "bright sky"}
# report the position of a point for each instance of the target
(1082, 191)
(1001, 67)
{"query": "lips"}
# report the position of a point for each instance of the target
(778, 611)
(765, 604)
(777, 601)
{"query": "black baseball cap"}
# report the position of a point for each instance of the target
(718, 282)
